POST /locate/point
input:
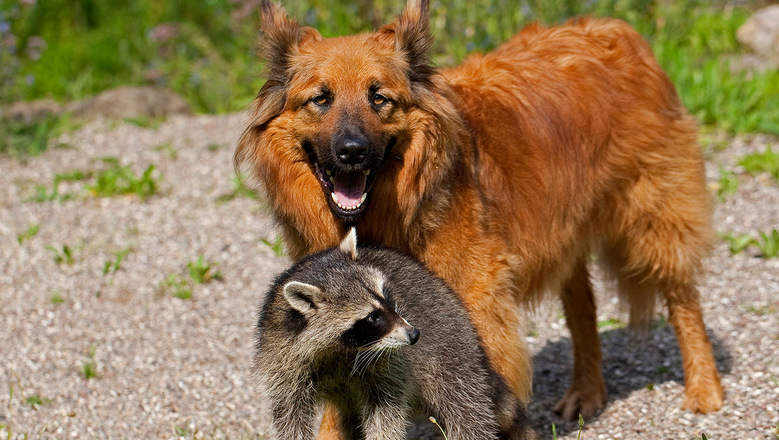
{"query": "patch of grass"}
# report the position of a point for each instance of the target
(20, 139)
(202, 271)
(727, 184)
(56, 298)
(31, 232)
(277, 246)
(89, 367)
(42, 193)
(168, 149)
(213, 146)
(147, 122)
(239, 190)
(64, 256)
(768, 243)
(661, 369)
(761, 311)
(35, 400)
(650, 386)
(181, 432)
(765, 162)
(178, 287)
(611, 323)
(115, 264)
(118, 179)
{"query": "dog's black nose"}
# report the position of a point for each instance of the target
(413, 335)
(353, 150)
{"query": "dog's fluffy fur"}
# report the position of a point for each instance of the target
(503, 175)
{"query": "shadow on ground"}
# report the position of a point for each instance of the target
(630, 363)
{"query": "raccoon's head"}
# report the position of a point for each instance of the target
(348, 305)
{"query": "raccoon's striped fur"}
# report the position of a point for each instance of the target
(338, 326)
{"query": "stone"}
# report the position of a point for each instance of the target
(761, 33)
(29, 112)
(130, 102)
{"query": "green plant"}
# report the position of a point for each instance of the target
(769, 243)
(650, 386)
(554, 432)
(661, 369)
(765, 162)
(179, 288)
(19, 139)
(147, 122)
(42, 193)
(581, 426)
(611, 323)
(35, 400)
(117, 180)
(277, 246)
(66, 256)
(760, 311)
(181, 432)
(168, 149)
(56, 298)
(89, 367)
(202, 271)
(117, 262)
(727, 184)
(239, 190)
(31, 232)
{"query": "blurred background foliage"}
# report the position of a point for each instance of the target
(205, 49)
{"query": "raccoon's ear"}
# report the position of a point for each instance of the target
(302, 297)
(349, 244)
(411, 36)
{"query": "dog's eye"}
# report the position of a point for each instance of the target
(379, 99)
(320, 100)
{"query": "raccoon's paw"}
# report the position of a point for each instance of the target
(584, 400)
(703, 398)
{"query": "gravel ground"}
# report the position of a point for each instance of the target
(168, 368)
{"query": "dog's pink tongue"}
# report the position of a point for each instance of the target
(348, 188)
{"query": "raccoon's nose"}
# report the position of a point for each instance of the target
(413, 336)
(353, 150)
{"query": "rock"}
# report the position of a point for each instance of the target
(33, 111)
(761, 33)
(130, 102)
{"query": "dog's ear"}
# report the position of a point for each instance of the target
(280, 39)
(410, 34)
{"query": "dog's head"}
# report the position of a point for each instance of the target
(346, 102)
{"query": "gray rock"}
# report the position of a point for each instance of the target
(130, 102)
(761, 34)
(33, 111)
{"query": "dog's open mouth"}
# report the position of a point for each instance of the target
(347, 191)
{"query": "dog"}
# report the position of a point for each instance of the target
(504, 175)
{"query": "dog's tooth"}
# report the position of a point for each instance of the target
(332, 180)
(334, 198)
(367, 172)
(364, 196)
(329, 173)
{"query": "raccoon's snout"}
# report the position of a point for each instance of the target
(413, 336)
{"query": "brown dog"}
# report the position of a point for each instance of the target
(503, 175)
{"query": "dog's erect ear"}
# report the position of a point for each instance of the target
(281, 38)
(411, 35)
(302, 297)
(349, 244)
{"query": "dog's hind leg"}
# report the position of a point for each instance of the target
(587, 391)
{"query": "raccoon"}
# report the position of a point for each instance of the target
(339, 326)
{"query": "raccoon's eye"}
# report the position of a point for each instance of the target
(379, 100)
(373, 317)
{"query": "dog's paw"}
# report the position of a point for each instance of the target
(581, 400)
(703, 399)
